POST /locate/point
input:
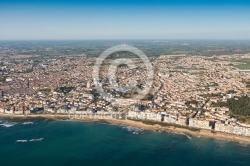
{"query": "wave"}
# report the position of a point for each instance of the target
(36, 140)
(32, 140)
(27, 123)
(188, 136)
(243, 144)
(8, 124)
(136, 133)
(134, 130)
(22, 141)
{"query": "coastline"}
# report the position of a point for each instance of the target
(139, 124)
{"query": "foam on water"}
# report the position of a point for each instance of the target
(187, 136)
(21, 141)
(134, 130)
(8, 124)
(27, 123)
(36, 140)
(31, 140)
(243, 144)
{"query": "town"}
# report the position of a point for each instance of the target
(187, 90)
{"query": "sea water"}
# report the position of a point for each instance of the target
(46, 142)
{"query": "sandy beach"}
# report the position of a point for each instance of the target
(141, 125)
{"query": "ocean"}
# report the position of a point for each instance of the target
(46, 142)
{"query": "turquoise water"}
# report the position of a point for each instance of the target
(46, 142)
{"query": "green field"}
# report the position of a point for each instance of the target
(245, 65)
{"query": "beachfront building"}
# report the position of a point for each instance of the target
(140, 115)
(233, 129)
(202, 124)
(168, 118)
(164, 117)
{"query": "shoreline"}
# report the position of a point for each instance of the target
(139, 124)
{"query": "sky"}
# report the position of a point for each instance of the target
(124, 19)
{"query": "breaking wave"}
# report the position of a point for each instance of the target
(31, 140)
(27, 123)
(21, 141)
(8, 124)
(188, 136)
(134, 130)
(36, 140)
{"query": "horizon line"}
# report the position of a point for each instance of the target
(119, 39)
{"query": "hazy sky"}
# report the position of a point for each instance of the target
(120, 19)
